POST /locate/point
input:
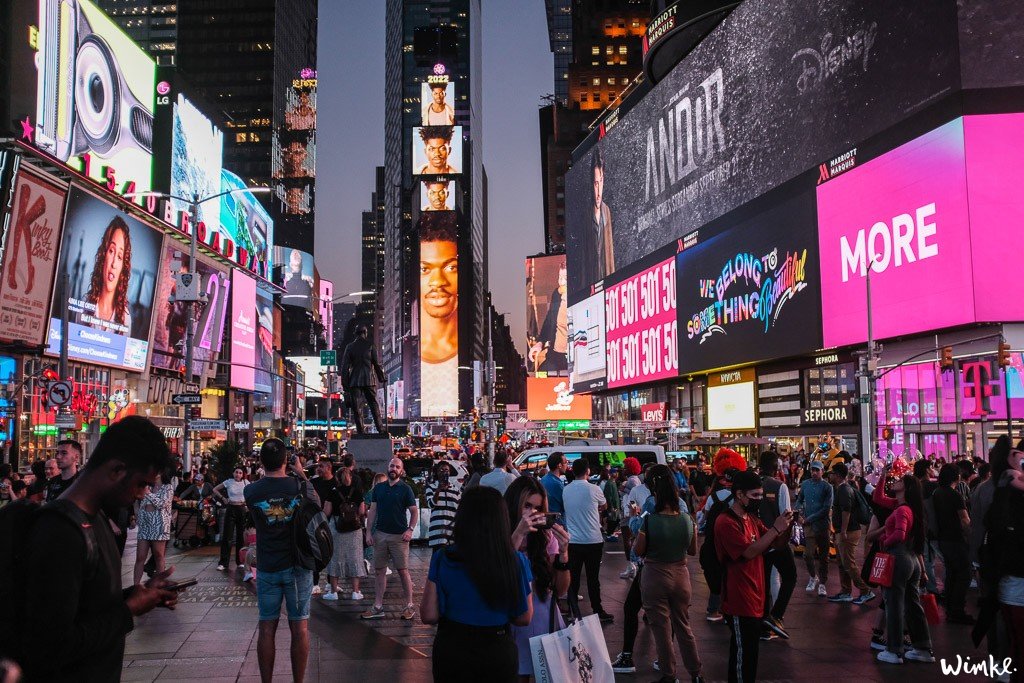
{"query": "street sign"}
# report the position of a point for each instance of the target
(328, 357)
(206, 425)
(65, 421)
(492, 416)
(190, 388)
(187, 399)
(58, 393)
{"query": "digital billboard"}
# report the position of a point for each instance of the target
(586, 344)
(439, 313)
(244, 318)
(294, 272)
(731, 407)
(245, 221)
(640, 326)
(774, 90)
(264, 341)
(547, 315)
(112, 261)
(549, 398)
(170, 316)
(315, 387)
(326, 310)
(436, 98)
(94, 94)
(294, 148)
(197, 148)
(438, 194)
(437, 150)
(29, 257)
(749, 287)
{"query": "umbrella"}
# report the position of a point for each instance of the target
(748, 441)
(702, 441)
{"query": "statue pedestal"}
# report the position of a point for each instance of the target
(371, 450)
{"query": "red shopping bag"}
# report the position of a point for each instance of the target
(931, 608)
(881, 570)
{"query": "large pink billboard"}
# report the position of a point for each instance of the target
(903, 215)
(243, 331)
(641, 325)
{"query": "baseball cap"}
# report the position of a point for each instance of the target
(817, 465)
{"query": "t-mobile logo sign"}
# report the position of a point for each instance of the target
(905, 239)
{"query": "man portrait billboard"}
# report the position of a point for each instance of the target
(435, 102)
(296, 276)
(547, 315)
(437, 194)
(437, 150)
(439, 314)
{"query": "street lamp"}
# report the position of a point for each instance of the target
(193, 203)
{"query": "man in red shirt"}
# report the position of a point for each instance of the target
(740, 541)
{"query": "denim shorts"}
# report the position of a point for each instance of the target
(293, 585)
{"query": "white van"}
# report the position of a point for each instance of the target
(599, 456)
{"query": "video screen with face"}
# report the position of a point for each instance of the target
(547, 315)
(437, 150)
(439, 314)
(294, 272)
(438, 194)
(437, 104)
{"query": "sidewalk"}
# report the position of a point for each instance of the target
(212, 634)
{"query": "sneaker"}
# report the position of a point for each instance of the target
(374, 612)
(241, 566)
(877, 642)
(329, 595)
(840, 597)
(623, 664)
(811, 585)
(916, 655)
(864, 598)
(629, 573)
(768, 634)
(822, 591)
(605, 617)
(655, 665)
(248, 576)
(889, 657)
(356, 595)
(388, 572)
(317, 590)
(408, 613)
(221, 568)
(775, 625)
(715, 617)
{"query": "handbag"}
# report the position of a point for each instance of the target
(881, 570)
(931, 608)
(575, 654)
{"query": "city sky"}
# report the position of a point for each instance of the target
(517, 71)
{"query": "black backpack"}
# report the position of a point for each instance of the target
(860, 510)
(314, 545)
(708, 554)
(16, 522)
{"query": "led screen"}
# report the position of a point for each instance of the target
(95, 93)
(196, 156)
(326, 309)
(170, 317)
(549, 398)
(439, 314)
(315, 387)
(547, 315)
(437, 150)
(295, 273)
(586, 344)
(437, 104)
(243, 331)
(264, 341)
(749, 288)
(112, 261)
(731, 407)
(294, 143)
(438, 194)
(246, 222)
(640, 326)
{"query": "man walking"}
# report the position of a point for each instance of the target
(273, 502)
(848, 534)
(583, 505)
(952, 526)
(69, 456)
(779, 555)
(815, 505)
(390, 501)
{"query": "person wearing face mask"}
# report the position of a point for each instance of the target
(741, 539)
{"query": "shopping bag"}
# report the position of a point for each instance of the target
(576, 654)
(931, 608)
(881, 570)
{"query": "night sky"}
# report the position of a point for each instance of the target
(517, 71)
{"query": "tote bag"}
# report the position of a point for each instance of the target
(881, 570)
(576, 654)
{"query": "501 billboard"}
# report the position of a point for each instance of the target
(641, 326)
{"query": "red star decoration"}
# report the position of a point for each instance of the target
(26, 130)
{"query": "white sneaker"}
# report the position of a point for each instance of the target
(356, 595)
(221, 568)
(822, 591)
(329, 596)
(388, 572)
(811, 585)
(248, 576)
(317, 590)
(629, 573)
(916, 655)
(889, 657)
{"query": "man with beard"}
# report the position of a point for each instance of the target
(437, 146)
(439, 314)
(390, 535)
(437, 195)
(438, 112)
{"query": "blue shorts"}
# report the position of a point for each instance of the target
(293, 585)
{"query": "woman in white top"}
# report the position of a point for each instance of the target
(231, 492)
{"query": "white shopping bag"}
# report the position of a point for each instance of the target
(576, 654)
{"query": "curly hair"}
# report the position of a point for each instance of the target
(438, 226)
(96, 283)
(437, 133)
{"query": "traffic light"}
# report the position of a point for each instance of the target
(946, 358)
(1004, 355)
(50, 374)
(887, 433)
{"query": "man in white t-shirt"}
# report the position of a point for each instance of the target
(501, 477)
(583, 505)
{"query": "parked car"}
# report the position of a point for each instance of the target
(599, 456)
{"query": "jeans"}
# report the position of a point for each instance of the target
(631, 612)
(784, 561)
(234, 525)
(666, 594)
(849, 572)
(816, 548)
(929, 566)
(585, 555)
(903, 602)
(958, 574)
(743, 648)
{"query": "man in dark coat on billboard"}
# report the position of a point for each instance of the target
(360, 373)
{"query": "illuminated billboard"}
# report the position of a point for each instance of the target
(326, 310)
(95, 94)
(244, 318)
(731, 407)
(295, 272)
(315, 375)
(264, 341)
(112, 260)
(547, 315)
(439, 314)
(438, 194)
(437, 150)
(294, 149)
(245, 221)
(196, 158)
(640, 326)
(549, 398)
(436, 103)
(586, 344)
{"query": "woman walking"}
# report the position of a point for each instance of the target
(475, 588)
(153, 517)
(664, 539)
(347, 513)
(548, 553)
(903, 538)
(230, 492)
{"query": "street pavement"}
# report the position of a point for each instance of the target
(211, 635)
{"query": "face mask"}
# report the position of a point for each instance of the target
(752, 506)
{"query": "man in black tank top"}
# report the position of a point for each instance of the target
(780, 556)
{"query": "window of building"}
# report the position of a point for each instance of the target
(595, 50)
(611, 80)
(596, 81)
(623, 49)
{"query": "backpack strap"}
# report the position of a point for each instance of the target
(74, 514)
